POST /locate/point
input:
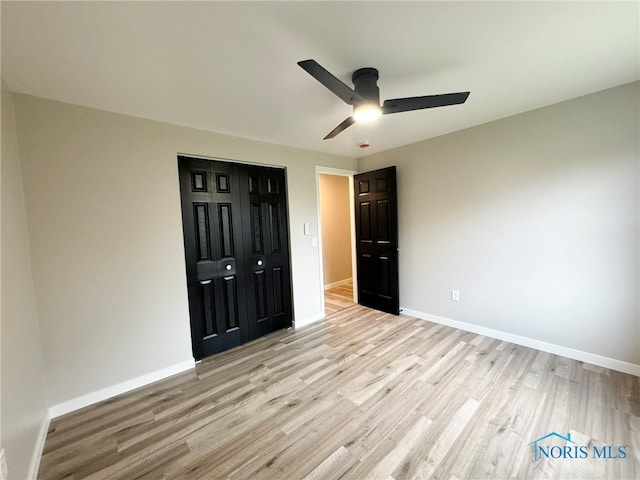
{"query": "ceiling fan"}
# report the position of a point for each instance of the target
(365, 96)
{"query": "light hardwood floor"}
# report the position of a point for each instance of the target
(337, 298)
(359, 395)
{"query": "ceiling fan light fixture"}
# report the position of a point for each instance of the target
(365, 96)
(366, 113)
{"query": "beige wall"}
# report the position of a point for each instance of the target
(336, 227)
(24, 407)
(534, 219)
(103, 205)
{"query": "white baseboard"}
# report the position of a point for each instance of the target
(574, 354)
(307, 321)
(36, 457)
(338, 283)
(112, 391)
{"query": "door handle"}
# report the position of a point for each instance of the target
(228, 267)
(259, 263)
(205, 282)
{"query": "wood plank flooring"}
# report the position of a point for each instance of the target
(338, 298)
(360, 395)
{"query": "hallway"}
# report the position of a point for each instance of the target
(338, 298)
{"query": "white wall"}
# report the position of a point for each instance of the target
(534, 219)
(336, 227)
(103, 205)
(24, 407)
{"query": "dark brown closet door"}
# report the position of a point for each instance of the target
(212, 229)
(236, 252)
(266, 250)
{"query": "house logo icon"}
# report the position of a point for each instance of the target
(537, 450)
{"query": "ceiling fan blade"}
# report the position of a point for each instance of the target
(397, 105)
(317, 71)
(343, 126)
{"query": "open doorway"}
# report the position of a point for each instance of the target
(337, 243)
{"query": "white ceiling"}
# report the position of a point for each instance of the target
(230, 67)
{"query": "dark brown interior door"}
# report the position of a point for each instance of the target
(377, 239)
(236, 252)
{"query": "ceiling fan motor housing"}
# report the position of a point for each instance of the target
(365, 83)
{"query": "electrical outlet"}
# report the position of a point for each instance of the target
(4, 471)
(455, 296)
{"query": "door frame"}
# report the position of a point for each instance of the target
(352, 221)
